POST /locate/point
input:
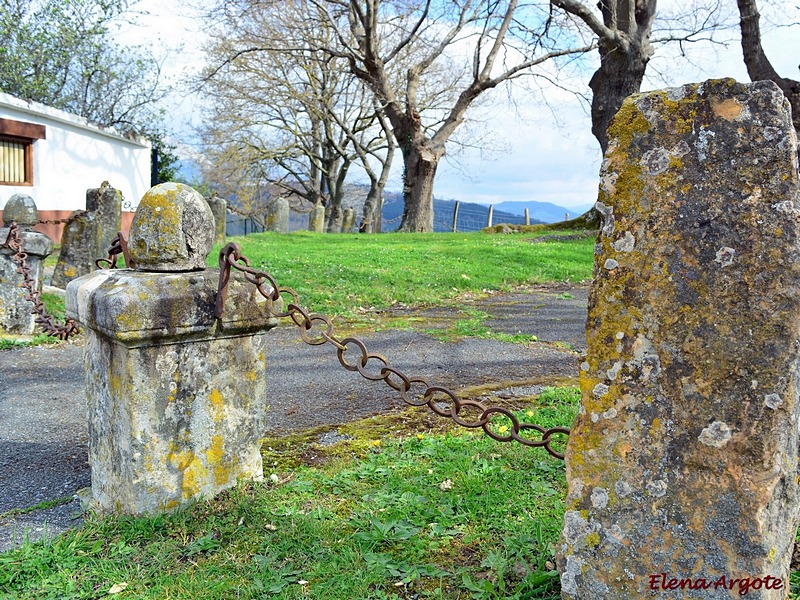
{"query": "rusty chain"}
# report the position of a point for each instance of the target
(45, 321)
(119, 245)
(316, 330)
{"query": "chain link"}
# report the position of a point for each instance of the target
(32, 293)
(317, 330)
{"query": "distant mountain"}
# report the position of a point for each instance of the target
(471, 217)
(543, 211)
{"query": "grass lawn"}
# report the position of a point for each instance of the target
(440, 513)
(408, 507)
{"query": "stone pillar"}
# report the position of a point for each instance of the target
(105, 204)
(15, 309)
(683, 462)
(348, 220)
(278, 216)
(219, 208)
(177, 399)
(316, 218)
(78, 249)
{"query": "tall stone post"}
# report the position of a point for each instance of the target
(15, 310)
(348, 220)
(278, 216)
(177, 399)
(78, 249)
(105, 203)
(683, 462)
(219, 208)
(316, 218)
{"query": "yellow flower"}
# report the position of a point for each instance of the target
(503, 429)
(420, 436)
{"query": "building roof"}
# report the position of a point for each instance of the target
(43, 111)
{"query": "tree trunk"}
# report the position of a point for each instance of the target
(420, 164)
(620, 75)
(368, 218)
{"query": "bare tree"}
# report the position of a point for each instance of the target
(503, 39)
(755, 59)
(287, 115)
(624, 30)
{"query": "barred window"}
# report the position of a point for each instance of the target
(17, 141)
(13, 164)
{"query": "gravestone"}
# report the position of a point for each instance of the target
(15, 307)
(278, 216)
(177, 398)
(316, 218)
(683, 462)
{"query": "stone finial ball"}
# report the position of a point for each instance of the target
(22, 209)
(172, 230)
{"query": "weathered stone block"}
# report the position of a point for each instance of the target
(15, 308)
(348, 220)
(219, 208)
(172, 230)
(105, 203)
(684, 458)
(20, 209)
(177, 400)
(278, 216)
(316, 218)
(78, 250)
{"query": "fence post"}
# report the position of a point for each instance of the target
(176, 398)
(15, 310)
(682, 462)
(491, 215)
(455, 216)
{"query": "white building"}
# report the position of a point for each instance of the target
(54, 157)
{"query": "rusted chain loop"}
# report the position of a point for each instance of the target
(487, 427)
(430, 395)
(362, 367)
(305, 322)
(361, 360)
(276, 295)
(403, 386)
(456, 414)
(322, 337)
(422, 399)
(331, 339)
(32, 292)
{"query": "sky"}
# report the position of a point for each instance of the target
(537, 152)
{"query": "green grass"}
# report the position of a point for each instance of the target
(344, 274)
(445, 515)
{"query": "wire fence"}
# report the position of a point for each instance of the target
(448, 216)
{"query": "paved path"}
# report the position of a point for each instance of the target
(43, 452)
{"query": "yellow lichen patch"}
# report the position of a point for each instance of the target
(194, 476)
(217, 403)
(215, 461)
(593, 539)
(728, 109)
(70, 272)
(180, 459)
(251, 376)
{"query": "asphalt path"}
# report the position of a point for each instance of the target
(43, 431)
